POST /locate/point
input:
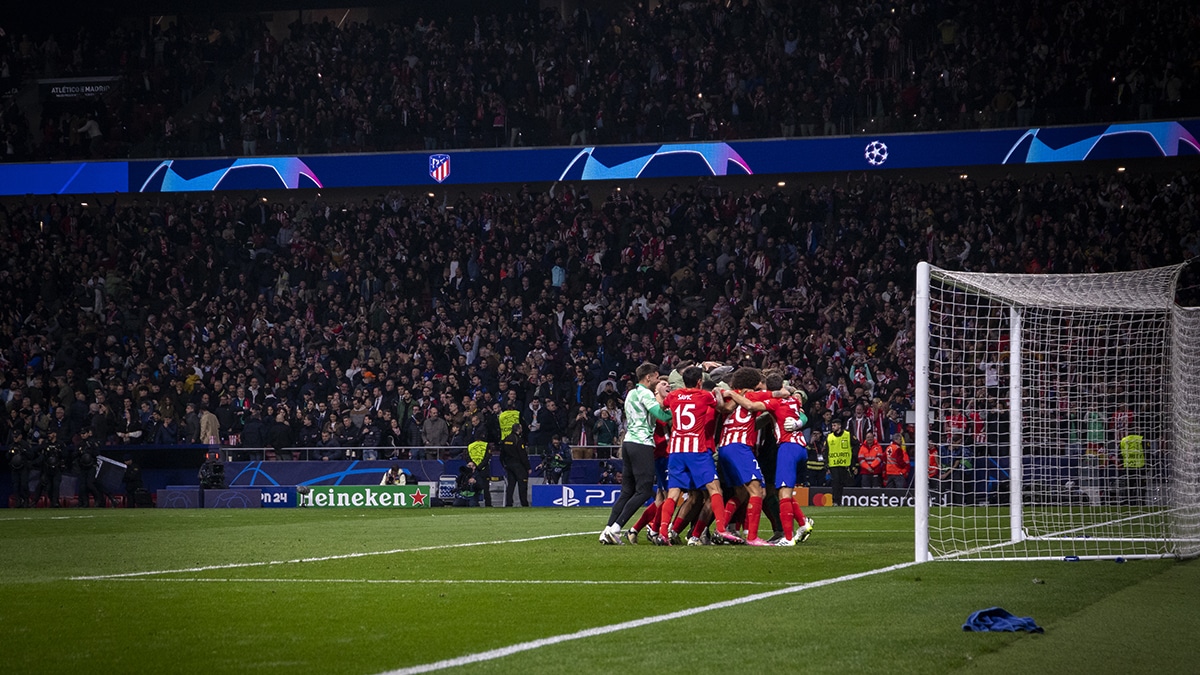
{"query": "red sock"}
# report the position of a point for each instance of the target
(797, 510)
(668, 510)
(753, 515)
(719, 513)
(731, 512)
(647, 517)
(785, 515)
(701, 523)
(677, 526)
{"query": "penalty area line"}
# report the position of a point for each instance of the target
(324, 558)
(531, 645)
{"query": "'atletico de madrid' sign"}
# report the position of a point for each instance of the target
(367, 496)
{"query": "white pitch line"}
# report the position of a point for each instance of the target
(517, 582)
(493, 654)
(324, 558)
(80, 516)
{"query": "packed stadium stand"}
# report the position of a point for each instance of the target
(369, 80)
(290, 315)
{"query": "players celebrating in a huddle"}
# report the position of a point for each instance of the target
(690, 463)
(707, 483)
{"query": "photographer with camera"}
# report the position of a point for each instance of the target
(135, 487)
(50, 461)
(609, 474)
(556, 463)
(21, 458)
(468, 485)
(396, 476)
(85, 462)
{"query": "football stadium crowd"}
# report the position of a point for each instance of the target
(676, 71)
(406, 325)
(402, 321)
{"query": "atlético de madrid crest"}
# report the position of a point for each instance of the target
(439, 167)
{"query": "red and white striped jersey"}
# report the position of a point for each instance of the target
(782, 409)
(693, 413)
(739, 424)
(662, 432)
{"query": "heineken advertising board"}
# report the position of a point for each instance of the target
(367, 496)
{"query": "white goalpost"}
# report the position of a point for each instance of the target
(1057, 416)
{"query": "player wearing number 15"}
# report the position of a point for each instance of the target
(690, 463)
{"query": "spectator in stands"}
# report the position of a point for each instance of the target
(95, 137)
(191, 425)
(606, 429)
(851, 71)
(435, 432)
(166, 431)
(279, 437)
(580, 433)
(254, 435)
(304, 301)
(540, 424)
(328, 448)
(210, 427)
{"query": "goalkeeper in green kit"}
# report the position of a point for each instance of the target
(643, 405)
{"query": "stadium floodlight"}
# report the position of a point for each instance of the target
(1062, 413)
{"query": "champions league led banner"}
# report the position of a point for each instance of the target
(996, 147)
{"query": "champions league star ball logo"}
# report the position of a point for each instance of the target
(876, 153)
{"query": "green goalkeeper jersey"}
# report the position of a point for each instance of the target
(641, 409)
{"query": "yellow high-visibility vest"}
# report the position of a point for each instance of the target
(840, 452)
(507, 419)
(1132, 454)
(477, 450)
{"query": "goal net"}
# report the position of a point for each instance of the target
(1057, 416)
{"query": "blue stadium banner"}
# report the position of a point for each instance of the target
(178, 497)
(343, 472)
(368, 496)
(278, 496)
(575, 495)
(960, 149)
(64, 178)
(235, 498)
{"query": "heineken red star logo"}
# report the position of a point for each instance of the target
(418, 497)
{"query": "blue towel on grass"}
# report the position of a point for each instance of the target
(997, 619)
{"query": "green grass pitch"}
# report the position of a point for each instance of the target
(359, 591)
